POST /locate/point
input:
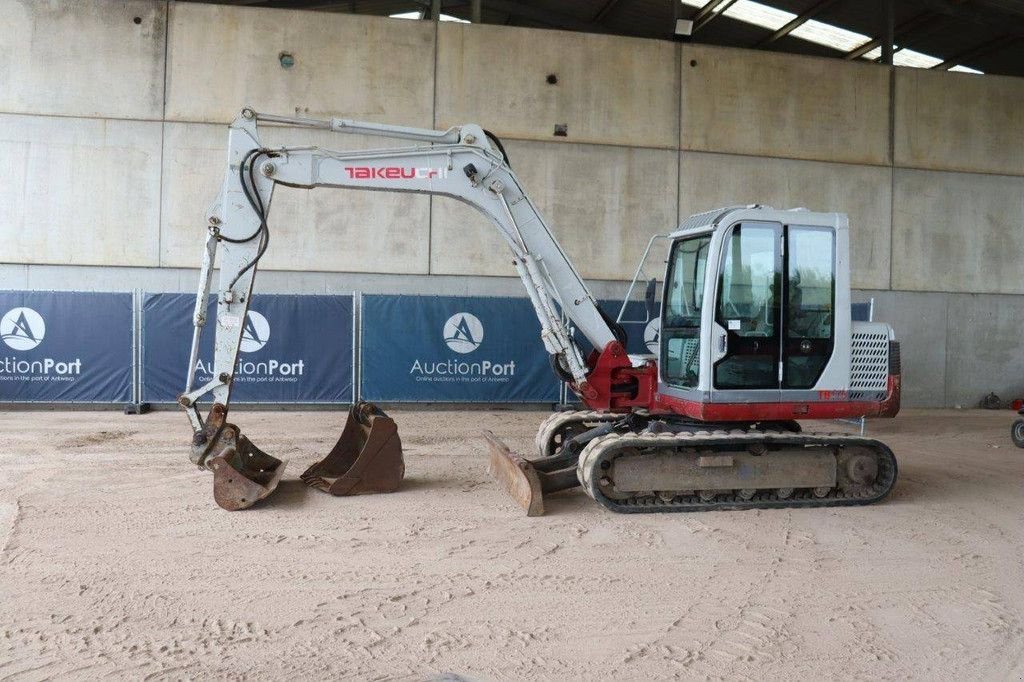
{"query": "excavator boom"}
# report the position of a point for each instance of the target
(465, 163)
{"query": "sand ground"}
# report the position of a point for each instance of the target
(114, 560)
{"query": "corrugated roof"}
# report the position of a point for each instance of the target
(984, 35)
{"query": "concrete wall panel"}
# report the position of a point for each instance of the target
(958, 232)
(320, 229)
(983, 349)
(610, 90)
(602, 203)
(79, 191)
(82, 58)
(222, 58)
(863, 192)
(959, 122)
(919, 320)
(770, 104)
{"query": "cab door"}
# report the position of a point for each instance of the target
(748, 307)
(808, 316)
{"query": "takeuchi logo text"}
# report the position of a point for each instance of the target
(394, 173)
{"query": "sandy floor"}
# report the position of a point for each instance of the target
(114, 559)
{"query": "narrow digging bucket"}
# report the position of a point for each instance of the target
(243, 475)
(527, 481)
(366, 459)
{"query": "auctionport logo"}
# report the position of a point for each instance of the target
(22, 328)
(463, 332)
(256, 335)
(652, 335)
(255, 332)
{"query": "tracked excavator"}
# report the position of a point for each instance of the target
(756, 335)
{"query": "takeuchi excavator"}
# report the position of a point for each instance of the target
(756, 334)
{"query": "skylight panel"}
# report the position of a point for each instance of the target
(416, 15)
(831, 36)
(759, 15)
(964, 69)
(873, 54)
(914, 58)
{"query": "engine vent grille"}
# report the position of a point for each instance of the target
(869, 365)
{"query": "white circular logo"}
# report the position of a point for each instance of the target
(463, 332)
(255, 333)
(22, 328)
(652, 335)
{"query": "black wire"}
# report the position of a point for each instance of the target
(501, 148)
(252, 195)
(245, 189)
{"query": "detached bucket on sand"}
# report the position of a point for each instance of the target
(366, 459)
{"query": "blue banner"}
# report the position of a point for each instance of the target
(453, 349)
(65, 346)
(295, 349)
(642, 337)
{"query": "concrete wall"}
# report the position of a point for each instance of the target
(113, 131)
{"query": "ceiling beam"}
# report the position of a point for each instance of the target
(797, 22)
(904, 29)
(973, 13)
(608, 7)
(709, 7)
(886, 17)
(555, 19)
(698, 25)
(977, 51)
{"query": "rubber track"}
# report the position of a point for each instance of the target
(550, 426)
(603, 448)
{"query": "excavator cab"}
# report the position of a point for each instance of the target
(757, 311)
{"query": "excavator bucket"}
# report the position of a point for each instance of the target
(366, 459)
(527, 481)
(243, 475)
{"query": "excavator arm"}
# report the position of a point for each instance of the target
(465, 163)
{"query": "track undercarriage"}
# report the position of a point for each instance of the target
(642, 463)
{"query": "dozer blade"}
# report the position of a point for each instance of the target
(366, 459)
(527, 481)
(516, 475)
(243, 475)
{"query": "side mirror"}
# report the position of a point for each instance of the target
(649, 298)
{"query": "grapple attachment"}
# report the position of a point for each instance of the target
(366, 459)
(527, 481)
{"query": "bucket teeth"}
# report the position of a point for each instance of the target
(366, 459)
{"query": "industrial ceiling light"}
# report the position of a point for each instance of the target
(684, 27)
